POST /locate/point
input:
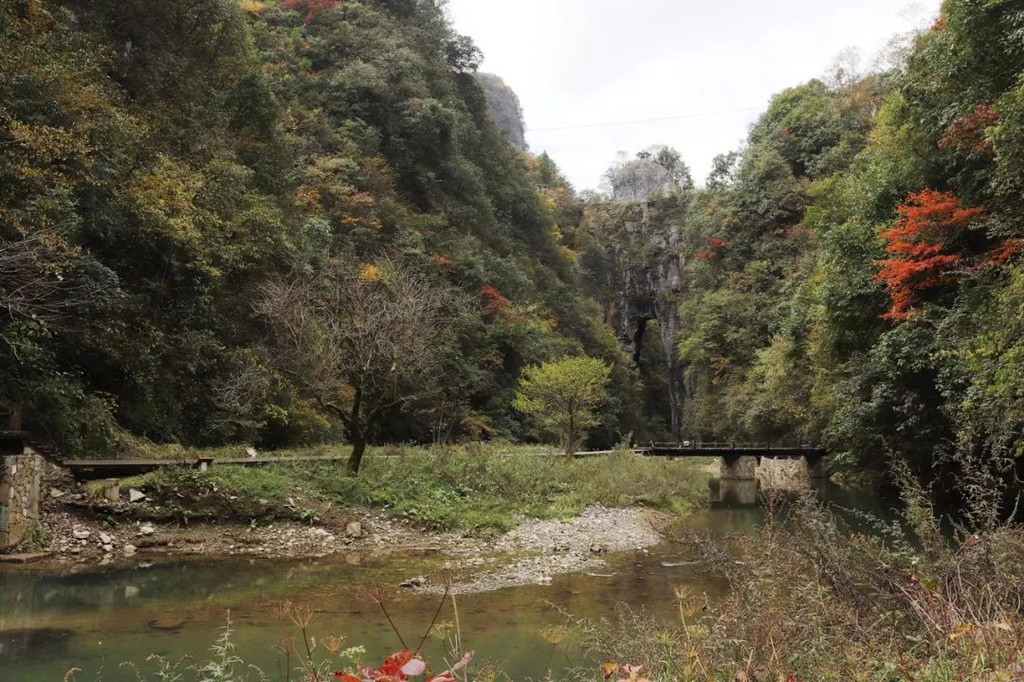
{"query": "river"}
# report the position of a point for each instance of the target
(96, 618)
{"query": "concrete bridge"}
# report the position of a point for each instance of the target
(739, 461)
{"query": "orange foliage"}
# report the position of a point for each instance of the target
(967, 133)
(714, 250)
(492, 301)
(312, 8)
(929, 221)
(1006, 251)
(443, 261)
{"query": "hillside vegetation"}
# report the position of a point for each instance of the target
(197, 198)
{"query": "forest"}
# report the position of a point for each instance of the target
(294, 222)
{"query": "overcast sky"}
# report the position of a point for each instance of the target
(577, 63)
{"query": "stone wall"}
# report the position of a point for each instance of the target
(19, 497)
(739, 468)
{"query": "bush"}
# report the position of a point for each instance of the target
(474, 487)
(807, 601)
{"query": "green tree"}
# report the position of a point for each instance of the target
(564, 396)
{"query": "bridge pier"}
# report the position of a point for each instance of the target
(734, 493)
(739, 468)
(20, 479)
(815, 467)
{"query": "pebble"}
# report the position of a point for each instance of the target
(81, 533)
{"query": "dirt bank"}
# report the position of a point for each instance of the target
(538, 550)
(529, 554)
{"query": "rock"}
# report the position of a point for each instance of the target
(135, 495)
(111, 490)
(81, 533)
(147, 529)
(129, 550)
(354, 529)
(108, 548)
(418, 581)
(23, 559)
(54, 493)
(598, 549)
(169, 624)
(252, 453)
(106, 539)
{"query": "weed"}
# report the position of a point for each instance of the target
(482, 487)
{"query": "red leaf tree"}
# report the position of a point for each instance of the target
(714, 249)
(920, 248)
(312, 8)
(969, 133)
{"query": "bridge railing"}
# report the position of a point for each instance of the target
(723, 445)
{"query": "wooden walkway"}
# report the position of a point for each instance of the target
(91, 469)
(731, 450)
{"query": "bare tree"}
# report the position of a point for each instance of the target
(43, 278)
(359, 342)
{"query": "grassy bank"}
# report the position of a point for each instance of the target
(810, 603)
(473, 487)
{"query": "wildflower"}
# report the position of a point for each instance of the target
(343, 676)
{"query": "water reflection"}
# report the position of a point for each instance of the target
(96, 618)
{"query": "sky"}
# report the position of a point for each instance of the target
(710, 67)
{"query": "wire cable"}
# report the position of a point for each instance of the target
(645, 120)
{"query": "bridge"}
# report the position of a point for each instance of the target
(730, 450)
(739, 461)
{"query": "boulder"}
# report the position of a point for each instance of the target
(418, 581)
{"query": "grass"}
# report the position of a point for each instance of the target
(481, 487)
(808, 602)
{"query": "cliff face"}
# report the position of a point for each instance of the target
(506, 112)
(641, 272)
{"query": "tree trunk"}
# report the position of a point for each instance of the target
(358, 449)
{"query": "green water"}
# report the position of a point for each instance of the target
(94, 619)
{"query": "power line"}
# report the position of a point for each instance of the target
(645, 120)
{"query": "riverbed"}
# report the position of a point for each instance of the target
(96, 618)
